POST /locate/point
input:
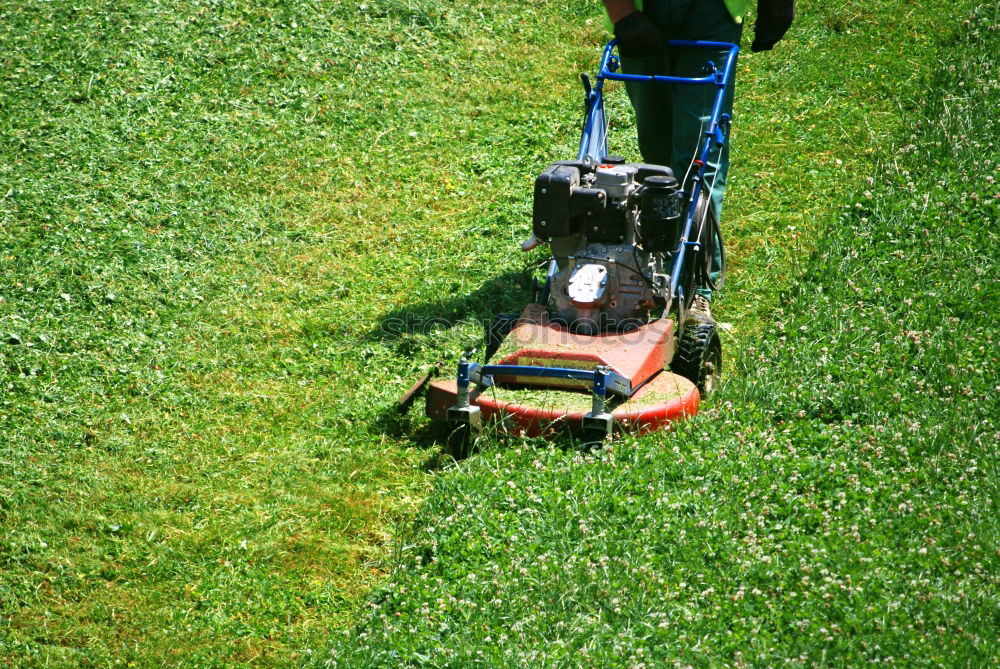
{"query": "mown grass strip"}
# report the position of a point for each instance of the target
(206, 209)
(838, 503)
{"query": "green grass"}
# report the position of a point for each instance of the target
(836, 505)
(213, 217)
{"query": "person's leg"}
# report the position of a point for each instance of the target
(670, 120)
(653, 104)
(653, 107)
(706, 20)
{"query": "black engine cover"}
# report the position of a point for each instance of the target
(563, 207)
(607, 227)
(551, 216)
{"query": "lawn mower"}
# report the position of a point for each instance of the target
(607, 342)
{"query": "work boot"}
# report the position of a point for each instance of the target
(700, 309)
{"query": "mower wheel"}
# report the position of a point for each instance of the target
(593, 439)
(460, 441)
(698, 357)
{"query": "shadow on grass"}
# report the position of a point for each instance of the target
(408, 328)
(509, 292)
(401, 425)
(434, 437)
(429, 436)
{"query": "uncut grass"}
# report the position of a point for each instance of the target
(214, 219)
(837, 503)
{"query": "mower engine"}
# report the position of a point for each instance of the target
(629, 248)
(612, 229)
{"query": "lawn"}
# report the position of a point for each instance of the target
(837, 504)
(232, 232)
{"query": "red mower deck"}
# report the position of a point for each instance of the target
(535, 341)
(533, 411)
(536, 405)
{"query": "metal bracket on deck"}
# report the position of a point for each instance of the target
(464, 413)
(599, 420)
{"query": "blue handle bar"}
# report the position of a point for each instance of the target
(594, 140)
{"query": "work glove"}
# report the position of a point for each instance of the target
(638, 36)
(774, 18)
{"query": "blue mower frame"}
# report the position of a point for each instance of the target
(594, 139)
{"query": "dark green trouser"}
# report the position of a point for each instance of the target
(671, 119)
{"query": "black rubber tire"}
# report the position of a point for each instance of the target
(699, 355)
(460, 442)
(593, 439)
